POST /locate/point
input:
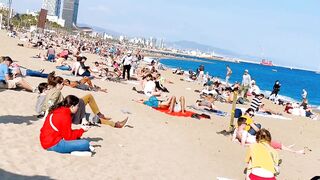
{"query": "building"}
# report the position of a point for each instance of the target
(70, 12)
(53, 7)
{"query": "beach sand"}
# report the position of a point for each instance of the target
(158, 147)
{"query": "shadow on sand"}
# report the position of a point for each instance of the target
(97, 139)
(11, 176)
(17, 119)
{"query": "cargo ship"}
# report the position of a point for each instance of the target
(266, 62)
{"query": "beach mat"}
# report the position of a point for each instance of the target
(186, 114)
(206, 110)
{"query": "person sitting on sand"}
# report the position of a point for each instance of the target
(54, 96)
(256, 102)
(6, 82)
(62, 64)
(150, 87)
(171, 103)
(245, 138)
(56, 133)
(84, 84)
(42, 88)
(79, 68)
(262, 160)
(251, 127)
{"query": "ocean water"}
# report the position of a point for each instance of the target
(292, 81)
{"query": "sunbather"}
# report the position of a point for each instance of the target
(84, 84)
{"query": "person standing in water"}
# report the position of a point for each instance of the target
(276, 89)
(229, 72)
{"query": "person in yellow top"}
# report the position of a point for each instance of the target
(251, 127)
(262, 160)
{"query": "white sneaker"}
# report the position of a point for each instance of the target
(81, 153)
(92, 149)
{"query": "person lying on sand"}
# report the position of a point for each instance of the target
(84, 84)
(245, 138)
(171, 103)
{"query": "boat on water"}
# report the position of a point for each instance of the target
(266, 62)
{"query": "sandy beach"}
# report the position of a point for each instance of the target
(158, 146)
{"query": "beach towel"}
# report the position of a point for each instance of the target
(186, 114)
(207, 110)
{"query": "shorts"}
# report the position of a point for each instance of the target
(83, 87)
(276, 145)
(177, 107)
(12, 84)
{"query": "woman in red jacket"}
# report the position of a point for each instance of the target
(56, 133)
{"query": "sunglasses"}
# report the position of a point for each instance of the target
(251, 114)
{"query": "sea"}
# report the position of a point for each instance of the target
(292, 81)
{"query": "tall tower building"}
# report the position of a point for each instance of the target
(53, 7)
(70, 12)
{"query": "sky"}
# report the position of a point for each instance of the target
(286, 32)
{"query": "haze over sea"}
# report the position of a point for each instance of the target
(292, 81)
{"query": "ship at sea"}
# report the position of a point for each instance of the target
(266, 62)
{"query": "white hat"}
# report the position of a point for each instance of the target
(129, 52)
(246, 70)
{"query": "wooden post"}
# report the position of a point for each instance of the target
(234, 104)
(0, 21)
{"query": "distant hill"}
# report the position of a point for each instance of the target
(101, 30)
(190, 45)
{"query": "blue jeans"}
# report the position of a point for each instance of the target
(36, 74)
(64, 146)
(63, 68)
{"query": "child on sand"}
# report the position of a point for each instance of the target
(43, 87)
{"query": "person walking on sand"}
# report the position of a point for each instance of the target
(245, 85)
(276, 89)
(126, 61)
(229, 72)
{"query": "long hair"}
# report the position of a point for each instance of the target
(54, 80)
(263, 135)
(68, 101)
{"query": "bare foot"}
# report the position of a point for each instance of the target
(301, 152)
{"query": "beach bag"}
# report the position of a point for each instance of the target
(237, 113)
(240, 100)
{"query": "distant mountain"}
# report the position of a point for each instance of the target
(190, 45)
(101, 30)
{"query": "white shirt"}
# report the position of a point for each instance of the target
(246, 80)
(127, 60)
(149, 88)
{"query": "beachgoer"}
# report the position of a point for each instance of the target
(251, 127)
(43, 88)
(79, 68)
(262, 160)
(6, 82)
(126, 61)
(304, 94)
(245, 138)
(150, 87)
(276, 88)
(228, 75)
(18, 71)
(84, 84)
(56, 133)
(54, 96)
(245, 85)
(256, 102)
(51, 53)
(171, 103)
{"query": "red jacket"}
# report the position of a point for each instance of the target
(61, 119)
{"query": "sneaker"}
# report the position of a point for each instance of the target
(81, 153)
(92, 149)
